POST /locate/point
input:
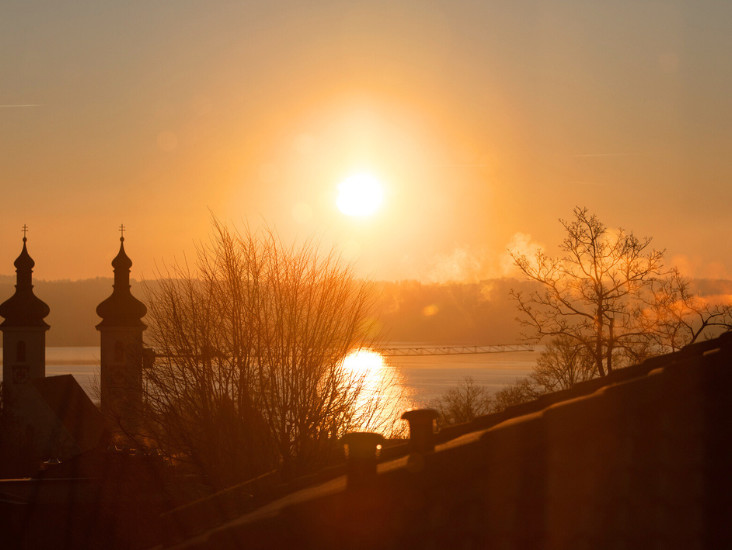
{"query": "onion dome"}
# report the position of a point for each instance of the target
(121, 309)
(24, 309)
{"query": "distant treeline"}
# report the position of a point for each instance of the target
(471, 313)
(454, 313)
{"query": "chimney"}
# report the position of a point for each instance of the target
(362, 452)
(421, 429)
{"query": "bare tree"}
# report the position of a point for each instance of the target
(251, 342)
(522, 390)
(463, 403)
(594, 293)
(607, 301)
(561, 365)
(680, 317)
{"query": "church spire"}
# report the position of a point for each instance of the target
(24, 309)
(122, 350)
(121, 309)
(122, 265)
(24, 331)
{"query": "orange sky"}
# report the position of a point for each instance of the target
(486, 121)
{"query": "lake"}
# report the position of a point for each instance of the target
(421, 378)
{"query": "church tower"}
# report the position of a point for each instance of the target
(121, 347)
(24, 330)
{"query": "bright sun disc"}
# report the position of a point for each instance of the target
(359, 195)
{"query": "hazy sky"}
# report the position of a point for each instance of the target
(486, 121)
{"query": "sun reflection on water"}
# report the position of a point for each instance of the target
(383, 397)
(364, 362)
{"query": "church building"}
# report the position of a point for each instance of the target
(24, 331)
(121, 348)
(56, 414)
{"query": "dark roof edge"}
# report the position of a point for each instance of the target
(585, 388)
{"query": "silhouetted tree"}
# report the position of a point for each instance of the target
(594, 293)
(463, 403)
(252, 341)
(679, 317)
(606, 301)
(520, 391)
(561, 365)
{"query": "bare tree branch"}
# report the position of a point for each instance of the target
(251, 343)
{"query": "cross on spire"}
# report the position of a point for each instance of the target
(25, 232)
(122, 231)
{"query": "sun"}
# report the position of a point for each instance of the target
(359, 195)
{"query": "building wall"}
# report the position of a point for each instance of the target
(22, 364)
(121, 375)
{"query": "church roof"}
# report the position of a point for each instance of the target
(121, 261)
(24, 309)
(121, 309)
(73, 409)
